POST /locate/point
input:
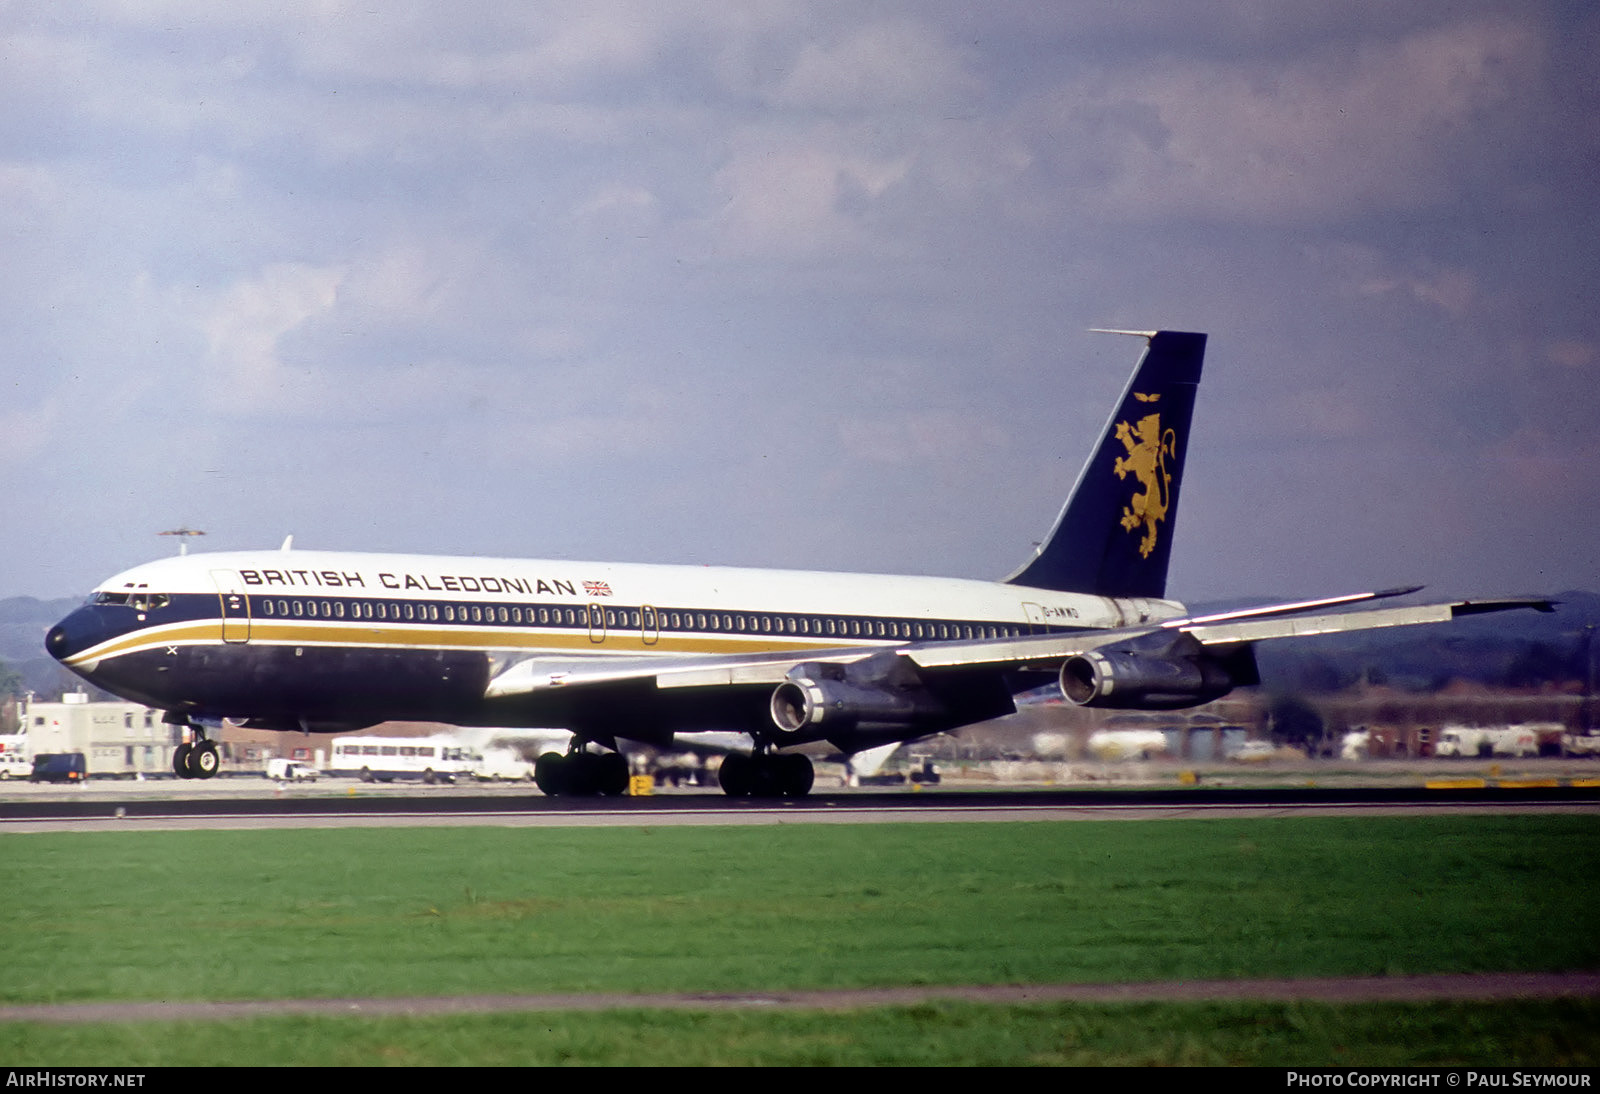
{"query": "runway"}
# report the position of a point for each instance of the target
(151, 807)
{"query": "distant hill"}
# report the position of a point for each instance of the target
(1513, 649)
(23, 623)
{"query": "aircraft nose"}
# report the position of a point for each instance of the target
(74, 634)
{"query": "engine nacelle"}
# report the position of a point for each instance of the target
(820, 700)
(827, 706)
(1129, 679)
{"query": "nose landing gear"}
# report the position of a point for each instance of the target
(199, 760)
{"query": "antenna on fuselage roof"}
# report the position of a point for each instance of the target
(288, 542)
(183, 534)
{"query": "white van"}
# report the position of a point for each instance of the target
(291, 771)
(502, 764)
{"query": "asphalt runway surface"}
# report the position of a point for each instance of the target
(247, 804)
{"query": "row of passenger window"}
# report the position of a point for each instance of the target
(650, 620)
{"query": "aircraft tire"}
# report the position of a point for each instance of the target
(204, 761)
(180, 761)
(549, 774)
(579, 774)
(797, 774)
(767, 777)
(736, 774)
(611, 774)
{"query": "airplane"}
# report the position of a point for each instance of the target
(330, 642)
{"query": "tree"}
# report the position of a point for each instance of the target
(10, 688)
(1296, 723)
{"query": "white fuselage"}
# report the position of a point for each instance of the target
(322, 639)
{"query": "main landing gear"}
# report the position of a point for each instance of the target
(581, 774)
(766, 775)
(200, 760)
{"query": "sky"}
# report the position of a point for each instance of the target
(799, 284)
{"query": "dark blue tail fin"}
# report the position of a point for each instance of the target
(1114, 535)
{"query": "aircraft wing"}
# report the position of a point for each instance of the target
(1251, 625)
(543, 674)
(1043, 652)
(1226, 631)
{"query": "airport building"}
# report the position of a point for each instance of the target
(116, 739)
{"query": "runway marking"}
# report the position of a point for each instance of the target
(743, 816)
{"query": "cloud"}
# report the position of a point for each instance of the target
(793, 195)
(1385, 126)
(1572, 353)
(1365, 271)
(1540, 466)
(867, 69)
(245, 330)
(918, 437)
(27, 432)
(609, 250)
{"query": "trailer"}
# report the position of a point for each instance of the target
(1470, 741)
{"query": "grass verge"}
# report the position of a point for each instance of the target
(1560, 1034)
(387, 912)
(384, 912)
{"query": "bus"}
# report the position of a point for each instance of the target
(385, 759)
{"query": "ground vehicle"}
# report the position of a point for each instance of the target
(14, 760)
(293, 771)
(1253, 752)
(385, 759)
(501, 764)
(1467, 741)
(1580, 744)
(59, 767)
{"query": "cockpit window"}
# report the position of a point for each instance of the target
(140, 600)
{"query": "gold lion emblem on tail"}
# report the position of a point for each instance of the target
(1148, 448)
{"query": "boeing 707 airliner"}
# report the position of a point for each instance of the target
(329, 642)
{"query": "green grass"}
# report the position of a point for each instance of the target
(1546, 1034)
(395, 912)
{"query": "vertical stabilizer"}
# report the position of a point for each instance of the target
(1114, 535)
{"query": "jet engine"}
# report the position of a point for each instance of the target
(1156, 672)
(822, 699)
